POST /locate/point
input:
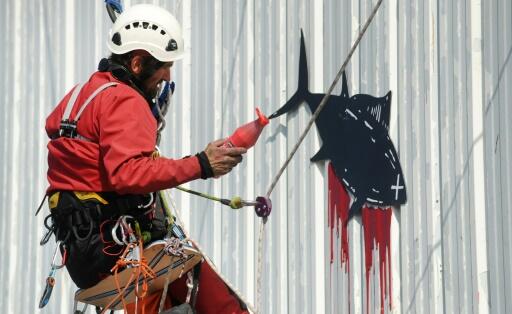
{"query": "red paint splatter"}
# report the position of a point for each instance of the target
(377, 225)
(339, 200)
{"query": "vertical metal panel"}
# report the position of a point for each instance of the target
(455, 104)
(497, 71)
(448, 64)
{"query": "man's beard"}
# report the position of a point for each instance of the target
(151, 93)
(148, 92)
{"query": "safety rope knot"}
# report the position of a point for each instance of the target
(173, 246)
(141, 273)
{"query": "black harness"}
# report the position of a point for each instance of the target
(72, 217)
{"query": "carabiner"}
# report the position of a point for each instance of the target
(46, 237)
(64, 256)
(125, 230)
(150, 202)
(75, 307)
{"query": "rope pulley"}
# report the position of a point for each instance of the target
(264, 206)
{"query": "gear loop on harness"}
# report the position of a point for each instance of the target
(89, 232)
(50, 230)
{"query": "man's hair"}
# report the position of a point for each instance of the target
(149, 64)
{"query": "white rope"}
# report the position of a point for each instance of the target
(296, 147)
(259, 265)
(206, 258)
(325, 98)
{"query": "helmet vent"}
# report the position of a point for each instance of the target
(172, 45)
(162, 32)
(154, 27)
(145, 25)
(135, 24)
(127, 26)
(116, 39)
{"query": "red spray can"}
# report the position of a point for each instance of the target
(247, 134)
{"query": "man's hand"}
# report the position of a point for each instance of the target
(223, 159)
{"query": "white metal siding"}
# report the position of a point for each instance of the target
(448, 65)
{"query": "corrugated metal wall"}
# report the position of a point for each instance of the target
(448, 66)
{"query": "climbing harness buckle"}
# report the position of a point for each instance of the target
(67, 128)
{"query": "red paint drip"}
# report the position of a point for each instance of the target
(377, 235)
(377, 227)
(339, 202)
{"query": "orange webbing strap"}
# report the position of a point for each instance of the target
(140, 269)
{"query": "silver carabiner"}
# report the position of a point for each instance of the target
(64, 256)
(150, 202)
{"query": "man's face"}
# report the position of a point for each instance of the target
(152, 84)
(141, 66)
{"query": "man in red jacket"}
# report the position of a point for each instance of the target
(101, 156)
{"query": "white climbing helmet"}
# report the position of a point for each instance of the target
(150, 28)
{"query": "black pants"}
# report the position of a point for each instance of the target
(87, 262)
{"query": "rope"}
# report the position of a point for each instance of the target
(236, 202)
(207, 196)
(296, 147)
(259, 265)
(324, 99)
(140, 269)
(206, 258)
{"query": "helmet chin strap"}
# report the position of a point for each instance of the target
(161, 106)
(121, 73)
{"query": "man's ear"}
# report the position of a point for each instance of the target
(136, 64)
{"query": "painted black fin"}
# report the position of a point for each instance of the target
(302, 88)
(344, 86)
(321, 154)
(386, 111)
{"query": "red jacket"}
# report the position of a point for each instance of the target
(122, 131)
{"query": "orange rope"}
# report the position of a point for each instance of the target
(140, 269)
(108, 245)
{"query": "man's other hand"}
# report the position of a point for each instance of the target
(223, 159)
